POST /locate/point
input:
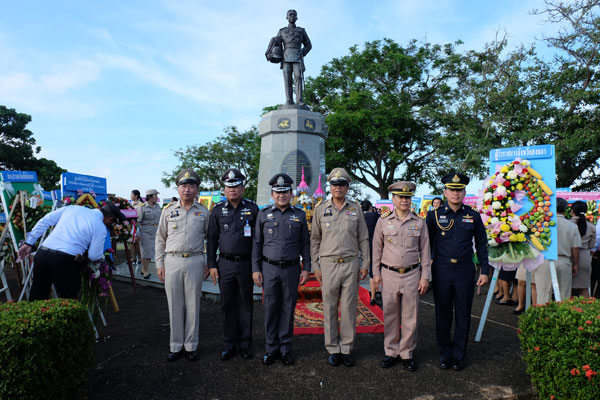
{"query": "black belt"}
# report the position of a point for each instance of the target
(454, 260)
(243, 257)
(283, 263)
(402, 270)
(62, 253)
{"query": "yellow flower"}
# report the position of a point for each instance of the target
(504, 169)
(505, 228)
(519, 186)
(513, 238)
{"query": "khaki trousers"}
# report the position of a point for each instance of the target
(340, 289)
(543, 279)
(183, 285)
(400, 307)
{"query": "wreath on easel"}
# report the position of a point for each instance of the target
(508, 233)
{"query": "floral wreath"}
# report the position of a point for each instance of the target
(507, 232)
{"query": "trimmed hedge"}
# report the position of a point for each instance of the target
(45, 349)
(560, 343)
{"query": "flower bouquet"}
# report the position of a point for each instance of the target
(508, 234)
(95, 284)
(120, 232)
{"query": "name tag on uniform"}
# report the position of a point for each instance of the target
(270, 216)
(328, 212)
(390, 226)
(246, 212)
(247, 231)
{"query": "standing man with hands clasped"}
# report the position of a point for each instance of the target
(231, 230)
(281, 238)
(339, 235)
(452, 228)
(180, 264)
(402, 264)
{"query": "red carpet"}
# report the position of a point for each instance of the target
(309, 311)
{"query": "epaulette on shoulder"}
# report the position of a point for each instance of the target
(249, 201)
(169, 205)
(386, 213)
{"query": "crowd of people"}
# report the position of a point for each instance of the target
(239, 245)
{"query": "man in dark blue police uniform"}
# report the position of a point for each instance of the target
(281, 238)
(452, 228)
(230, 229)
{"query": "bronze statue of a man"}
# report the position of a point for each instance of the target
(296, 45)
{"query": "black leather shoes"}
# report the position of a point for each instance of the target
(388, 361)
(334, 359)
(227, 355)
(192, 355)
(270, 358)
(174, 355)
(246, 354)
(287, 358)
(348, 360)
(443, 363)
(458, 365)
(409, 364)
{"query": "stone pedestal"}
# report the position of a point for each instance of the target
(291, 138)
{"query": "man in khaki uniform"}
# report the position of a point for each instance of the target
(148, 218)
(338, 232)
(568, 242)
(402, 264)
(180, 263)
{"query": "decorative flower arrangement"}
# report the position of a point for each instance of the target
(96, 284)
(120, 232)
(592, 214)
(507, 232)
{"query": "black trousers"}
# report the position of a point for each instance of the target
(236, 285)
(55, 268)
(453, 290)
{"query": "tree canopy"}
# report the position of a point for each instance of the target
(18, 149)
(381, 104)
(233, 149)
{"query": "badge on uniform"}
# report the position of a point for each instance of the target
(174, 213)
(270, 216)
(467, 220)
(294, 219)
(350, 208)
(246, 212)
(328, 212)
(413, 228)
(199, 214)
(350, 213)
(224, 211)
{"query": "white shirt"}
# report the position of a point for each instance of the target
(77, 229)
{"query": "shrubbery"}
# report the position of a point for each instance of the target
(561, 347)
(45, 349)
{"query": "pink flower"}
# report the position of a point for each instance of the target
(574, 371)
(586, 367)
(588, 322)
(537, 348)
(580, 328)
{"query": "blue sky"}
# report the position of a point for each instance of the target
(113, 87)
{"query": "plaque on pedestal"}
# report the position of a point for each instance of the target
(292, 137)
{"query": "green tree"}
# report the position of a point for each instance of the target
(575, 89)
(18, 149)
(501, 102)
(234, 149)
(381, 104)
